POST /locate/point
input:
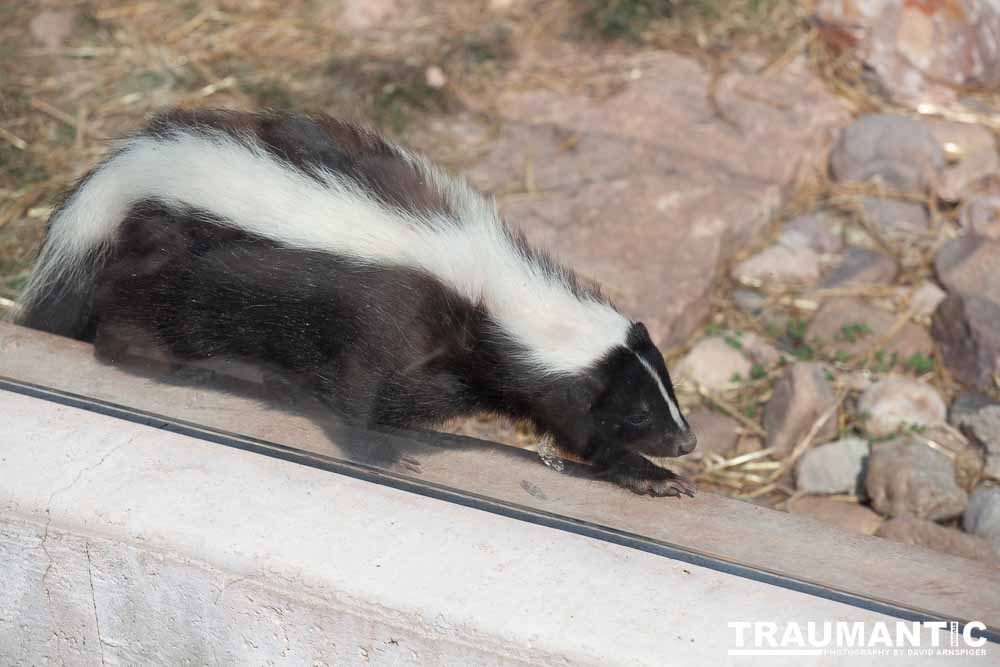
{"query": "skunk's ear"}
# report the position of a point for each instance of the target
(638, 336)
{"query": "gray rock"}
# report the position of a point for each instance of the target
(749, 301)
(895, 214)
(970, 264)
(967, 331)
(845, 515)
(980, 214)
(896, 403)
(982, 426)
(929, 535)
(836, 467)
(714, 364)
(819, 232)
(898, 151)
(799, 398)
(982, 518)
(861, 266)
(967, 404)
(906, 477)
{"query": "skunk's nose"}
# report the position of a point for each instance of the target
(687, 441)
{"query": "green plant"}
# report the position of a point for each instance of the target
(851, 332)
(614, 19)
(919, 363)
(757, 372)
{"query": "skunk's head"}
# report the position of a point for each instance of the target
(627, 402)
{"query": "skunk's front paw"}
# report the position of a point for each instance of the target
(640, 476)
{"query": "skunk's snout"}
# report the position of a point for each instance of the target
(686, 441)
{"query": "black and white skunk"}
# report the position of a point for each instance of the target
(395, 291)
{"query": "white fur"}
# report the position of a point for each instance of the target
(242, 183)
(675, 412)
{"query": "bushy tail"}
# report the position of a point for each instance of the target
(59, 296)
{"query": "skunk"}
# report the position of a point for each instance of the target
(394, 291)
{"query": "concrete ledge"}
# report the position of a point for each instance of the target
(124, 543)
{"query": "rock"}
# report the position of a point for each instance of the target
(982, 518)
(967, 331)
(925, 299)
(980, 214)
(53, 27)
(967, 404)
(972, 152)
(716, 432)
(714, 364)
(749, 301)
(833, 468)
(564, 164)
(757, 349)
(895, 215)
(360, 15)
(970, 264)
(779, 264)
(845, 515)
(982, 427)
(929, 535)
(919, 51)
(850, 326)
(819, 232)
(799, 398)
(896, 403)
(435, 77)
(898, 151)
(906, 477)
(861, 266)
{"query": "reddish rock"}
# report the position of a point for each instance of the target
(972, 150)
(650, 204)
(798, 399)
(779, 264)
(906, 477)
(920, 51)
(53, 27)
(967, 331)
(970, 264)
(714, 364)
(851, 326)
(925, 299)
(716, 432)
(929, 535)
(896, 404)
(848, 516)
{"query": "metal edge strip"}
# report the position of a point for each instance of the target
(483, 503)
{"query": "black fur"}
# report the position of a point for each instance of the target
(381, 345)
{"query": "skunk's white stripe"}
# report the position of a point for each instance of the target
(245, 185)
(675, 412)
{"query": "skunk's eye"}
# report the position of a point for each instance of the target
(638, 420)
